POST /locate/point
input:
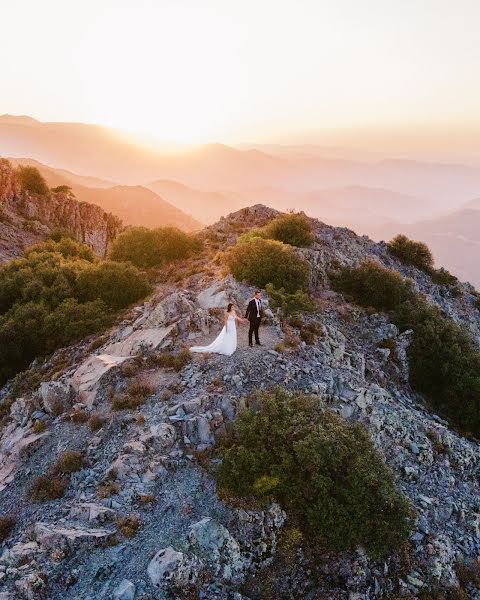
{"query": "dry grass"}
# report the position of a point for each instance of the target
(7, 523)
(96, 422)
(123, 402)
(39, 426)
(167, 360)
(69, 462)
(133, 397)
(128, 526)
(469, 573)
(79, 416)
(58, 408)
(47, 488)
(146, 499)
(107, 489)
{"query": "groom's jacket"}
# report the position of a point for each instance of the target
(251, 313)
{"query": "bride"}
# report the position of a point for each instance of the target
(226, 342)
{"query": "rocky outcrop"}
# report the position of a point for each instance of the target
(149, 462)
(28, 218)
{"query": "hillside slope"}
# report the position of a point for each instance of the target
(28, 218)
(154, 462)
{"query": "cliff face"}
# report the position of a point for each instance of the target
(154, 460)
(28, 218)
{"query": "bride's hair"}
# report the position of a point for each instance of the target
(229, 307)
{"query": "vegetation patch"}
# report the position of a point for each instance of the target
(443, 358)
(32, 181)
(147, 248)
(79, 416)
(56, 295)
(318, 467)
(7, 523)
(48, 488)
(69, 462)
(96, 422)
(128, 526)
(419, 255)
(167, 360)
(292, 228)
(260, 262)
(289, 303)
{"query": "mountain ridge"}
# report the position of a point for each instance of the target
(161, 450)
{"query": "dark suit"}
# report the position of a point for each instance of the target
(254, 315)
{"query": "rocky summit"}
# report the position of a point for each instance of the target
(141, 517)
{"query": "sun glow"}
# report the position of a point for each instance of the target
(185, 71)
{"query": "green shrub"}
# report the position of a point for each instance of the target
(412, 253)
(443, 277)
(146, 248)
(293, 228)
(444, 363)
(56, 295)
(260, 262)
(63, 244)
(290, 303)
(443, 358)
(324, 471)
(32, 181)
(117, 284)
(370, 284)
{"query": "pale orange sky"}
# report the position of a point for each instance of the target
(245, 70)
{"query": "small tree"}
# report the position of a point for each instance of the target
(412, 253)
(324, 471)
(32, 181)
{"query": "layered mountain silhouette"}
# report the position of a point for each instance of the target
(145, 186)
(108, 154)
(135, 205)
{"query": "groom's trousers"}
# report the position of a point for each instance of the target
(254, 325)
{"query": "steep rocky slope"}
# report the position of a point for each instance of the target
(153, 462)
(28, 218)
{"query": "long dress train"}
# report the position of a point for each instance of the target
(225, 342)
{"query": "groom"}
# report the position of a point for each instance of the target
(254, 315)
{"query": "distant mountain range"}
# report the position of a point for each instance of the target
(379, 197)
(95, 151)
(135, 205)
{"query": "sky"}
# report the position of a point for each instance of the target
(232, 71)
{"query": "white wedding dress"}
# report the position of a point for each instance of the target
(226, 341)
